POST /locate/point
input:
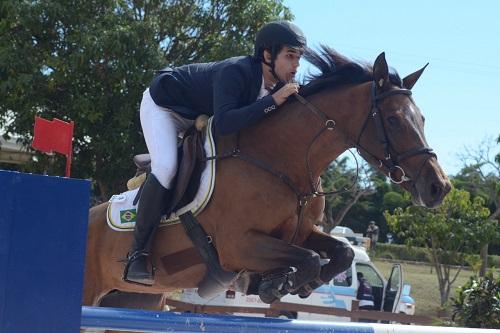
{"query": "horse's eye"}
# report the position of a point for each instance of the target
(393, 121)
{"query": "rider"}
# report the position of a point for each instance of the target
(237, 91)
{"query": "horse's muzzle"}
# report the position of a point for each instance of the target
(432, 187)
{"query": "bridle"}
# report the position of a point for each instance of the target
(390, 161)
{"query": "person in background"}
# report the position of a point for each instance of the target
(372, 233)
(365, 296)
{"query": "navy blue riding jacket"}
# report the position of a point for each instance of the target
(227, 89)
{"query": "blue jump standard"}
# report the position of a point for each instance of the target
(43, 231)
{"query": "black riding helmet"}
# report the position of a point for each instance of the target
(273, 36)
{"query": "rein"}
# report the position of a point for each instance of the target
(389, 161)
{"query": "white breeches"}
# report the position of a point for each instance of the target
(161, 127)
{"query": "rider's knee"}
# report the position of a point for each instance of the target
(164, 172)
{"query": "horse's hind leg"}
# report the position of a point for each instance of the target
(285, 267)
(339, 253)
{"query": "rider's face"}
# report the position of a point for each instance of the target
(287, 63)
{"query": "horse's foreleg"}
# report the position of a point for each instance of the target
(284, 267)
(339, 253)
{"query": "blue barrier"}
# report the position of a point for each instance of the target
(151, 321)
(43, 227)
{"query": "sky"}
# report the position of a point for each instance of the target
(459, 92)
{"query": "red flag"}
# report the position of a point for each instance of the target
(55, 135)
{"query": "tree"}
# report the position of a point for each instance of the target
(481, 176)
(90, 61)
(352, 184)
(458, 227)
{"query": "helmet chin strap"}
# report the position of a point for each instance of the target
(271, 65)
(273, 72)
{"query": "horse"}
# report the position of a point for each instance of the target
(262, 219)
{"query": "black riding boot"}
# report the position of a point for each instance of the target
(152, 205)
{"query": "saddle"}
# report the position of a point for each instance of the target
(192, 159)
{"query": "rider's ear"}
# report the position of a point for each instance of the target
(381, 72)
(267, 56)
(410, 80)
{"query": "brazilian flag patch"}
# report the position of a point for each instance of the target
(128, 215)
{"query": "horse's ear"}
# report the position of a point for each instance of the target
(381, 72)
(410, 80)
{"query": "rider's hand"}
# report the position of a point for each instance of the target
(288, 89)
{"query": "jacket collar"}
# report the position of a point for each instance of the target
(256, 68)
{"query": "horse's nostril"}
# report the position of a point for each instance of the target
(436, 190)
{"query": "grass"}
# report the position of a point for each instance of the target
(424, 285)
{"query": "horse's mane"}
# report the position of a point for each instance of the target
(337, 70)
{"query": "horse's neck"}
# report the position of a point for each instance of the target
(282, 140)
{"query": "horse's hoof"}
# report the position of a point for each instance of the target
(276, 284)
(268, 293)
(306, 290)
(304, 293)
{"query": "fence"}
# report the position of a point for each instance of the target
(278, 308)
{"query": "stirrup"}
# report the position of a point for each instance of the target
(131, 257)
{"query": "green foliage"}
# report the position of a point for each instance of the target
(393, 200)
(474, 262)
(458, 227)
(90, 61)
(459, 224)
(400, 252)
(481, 177)
(473, 180)
(497, 156)
(421, 254)
(477, 303)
